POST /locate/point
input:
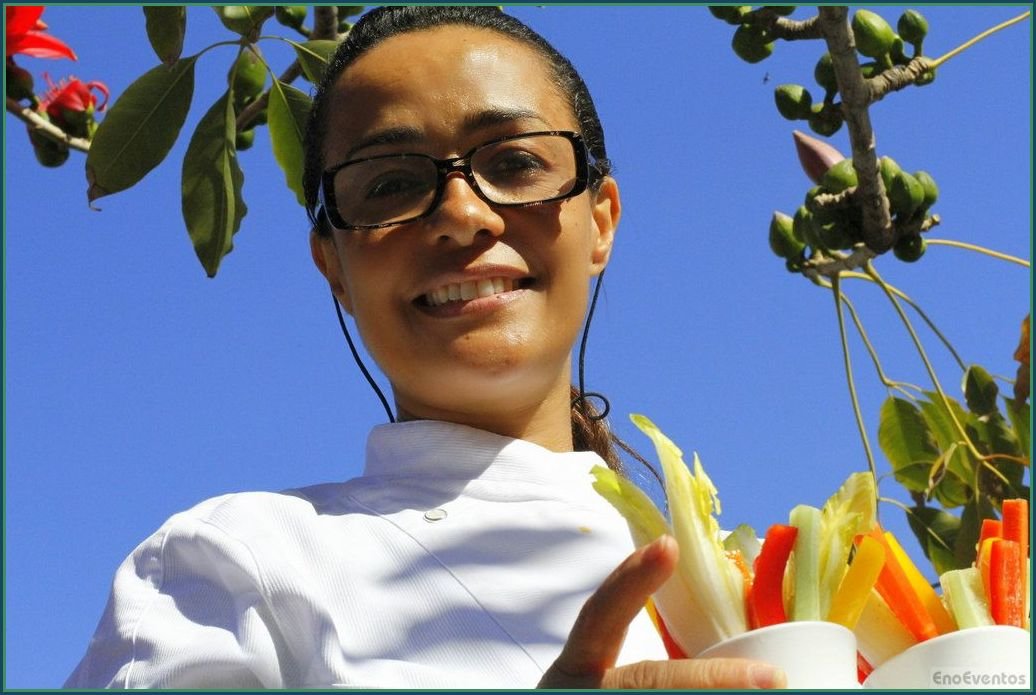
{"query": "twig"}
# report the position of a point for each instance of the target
(878, 232)
(985, 34)
(835, 286)
(44, 127)
(980, 249)
(920, 312)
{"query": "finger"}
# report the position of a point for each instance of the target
(683, 674)
(598, 633)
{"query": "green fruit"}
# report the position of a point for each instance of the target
(782, 237)
(811, 194)
(247, 77)
(898, 52)
(751, 43)
(261, 117)
(243, 19)
(824, 73)
(48, 153)
(931, 191)
(925, 78)
(349, 10)
(888, 168)
(244, 139)
(731, 14)
(802, 227)
(840, 177)
(873, 34)
(906, 194)
(913, 27)
(794, 101)
(825, 120)
(909, 248)
(869, 70)
(290, 15)
(834, 235)
(344, 27)
(19, 82)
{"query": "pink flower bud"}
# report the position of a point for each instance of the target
(816, 156)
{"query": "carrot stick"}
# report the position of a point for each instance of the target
(991, 528)
(895, 588)
(1016, 528)
(1006, 583)
(944, 622)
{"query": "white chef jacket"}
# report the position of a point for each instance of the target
(459, 559)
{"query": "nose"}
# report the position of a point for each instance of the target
(463, 216)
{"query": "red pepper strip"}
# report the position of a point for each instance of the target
(863, 668)
(991, 528)
(1005, 580)
(1015, 522)
(671, 647)
(766, 597)
(894, 586)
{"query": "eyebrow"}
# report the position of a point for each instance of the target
(402, 135)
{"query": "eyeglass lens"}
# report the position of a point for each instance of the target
(397, 188)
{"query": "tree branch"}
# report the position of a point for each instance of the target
(899, 77)
(783, 28)
(878, 232)
(44, 127)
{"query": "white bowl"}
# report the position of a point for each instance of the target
(813, 654)
(979, 658)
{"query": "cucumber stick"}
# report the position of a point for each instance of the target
(806, 600)
(963, 591)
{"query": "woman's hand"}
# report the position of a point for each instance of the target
(588, 659)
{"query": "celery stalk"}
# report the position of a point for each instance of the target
(806, 601)
(710, 604)
(966, 597)
(850, 511)
(744, 540)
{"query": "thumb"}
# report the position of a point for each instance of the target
(597, 635)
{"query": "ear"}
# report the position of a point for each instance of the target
(328, 262)
(606, 212)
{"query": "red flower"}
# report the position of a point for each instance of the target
(71, 103)
(25, 34)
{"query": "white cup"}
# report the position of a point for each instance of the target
(813, 654)
(979, 658)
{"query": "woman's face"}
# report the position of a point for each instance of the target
(442, 92)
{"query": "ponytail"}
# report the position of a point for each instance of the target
(590, 432)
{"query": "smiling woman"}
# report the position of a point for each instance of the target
(462, 205)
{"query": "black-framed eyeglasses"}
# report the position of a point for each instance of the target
(513, 171)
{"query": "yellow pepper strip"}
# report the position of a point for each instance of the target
(944, 622)
(856, 584)
(653, 613)
(982, 561)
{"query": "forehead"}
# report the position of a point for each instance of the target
(438, 82)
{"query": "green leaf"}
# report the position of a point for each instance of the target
(166, 26)
(1018, 413)
(936, 530)
(244, 19)
(289, 111)
(211, 185)
(961, 463)
(140, 128)
(980, 391)
(314, 56)
(907, 442)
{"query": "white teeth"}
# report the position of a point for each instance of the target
(485, 287)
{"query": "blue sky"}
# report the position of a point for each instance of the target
(135, 386)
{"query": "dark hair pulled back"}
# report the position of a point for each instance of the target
(589, 431)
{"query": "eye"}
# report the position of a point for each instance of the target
(513, 165)
(399, 183)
